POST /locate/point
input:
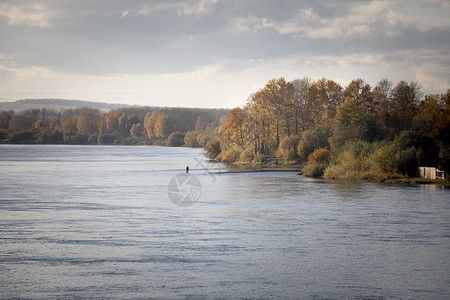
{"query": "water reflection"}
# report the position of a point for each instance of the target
(97, 222)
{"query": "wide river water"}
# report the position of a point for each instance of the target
(102, 222)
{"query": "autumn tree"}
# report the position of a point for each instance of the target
(299, 92)
(163, 126)
(69, 124)
(233, 130)
(259, 122)
(40, 125)
(150, 122)
(280, 96)
(381, 95)
(108, 122)
(88, 121)
(402, 108)
(190, 138)
(361, 91)
(321, 102)
(137, 130)
(18, 122)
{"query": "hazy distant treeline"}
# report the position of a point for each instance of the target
(72, 103)
(132, 125)
(357, 131)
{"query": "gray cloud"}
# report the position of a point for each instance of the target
(161, 37)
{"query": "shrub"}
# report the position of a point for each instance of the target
(3, 134)
(288, 148)
(204, 137)
(22, 137)
(317, 163)
(394, 157)
(247, 155)
(352, 162)
(213, 148)
(50, 137)
(190, 139)
(229, 156)
(319, 155)
(93, 139)
(176, 139)
(427, 150)
(314, 138)
(314, 169)
(106, 138)
(258, 159)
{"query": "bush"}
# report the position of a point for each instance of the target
(315, 138)
(396, 157)
(444, 158)
(247, 155)
(93, 139)
(319, 155)
(314, 169)
(106, 138)
(406, 162)
(22, 137)
(229, 156)
(258, 158)
(427, 150)
(50, 137)
(355, 156)
(204, 137)
(3, 134)
(176, 139)
(190, 139)
(288, 148)
(213, 148)
(317, 163)
(351, 163)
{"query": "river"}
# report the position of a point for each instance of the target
(127, 222)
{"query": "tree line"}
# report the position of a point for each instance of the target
(132, 125)
(358, 131)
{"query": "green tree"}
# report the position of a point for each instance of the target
(381, 95)
(361, 91)
(312, 139)
(403, 105)
(176, 139)
(288, 148)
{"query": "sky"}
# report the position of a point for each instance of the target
(214, 53)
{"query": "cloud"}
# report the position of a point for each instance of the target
(182, 8)
(364, 19)
(215, 49)
(31, 15)
(196, 8)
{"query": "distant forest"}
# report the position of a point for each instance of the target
(192, 127)
(73, 103)
(356, 132)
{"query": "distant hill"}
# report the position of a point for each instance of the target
(57, 104)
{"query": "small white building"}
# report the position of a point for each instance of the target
(431, 173)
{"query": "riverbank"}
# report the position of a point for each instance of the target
(261, 168)
(414, 181)
(270, 167)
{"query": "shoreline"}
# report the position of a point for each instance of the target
(238, 169)
(235, 169)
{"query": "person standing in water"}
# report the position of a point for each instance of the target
(187, 169)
